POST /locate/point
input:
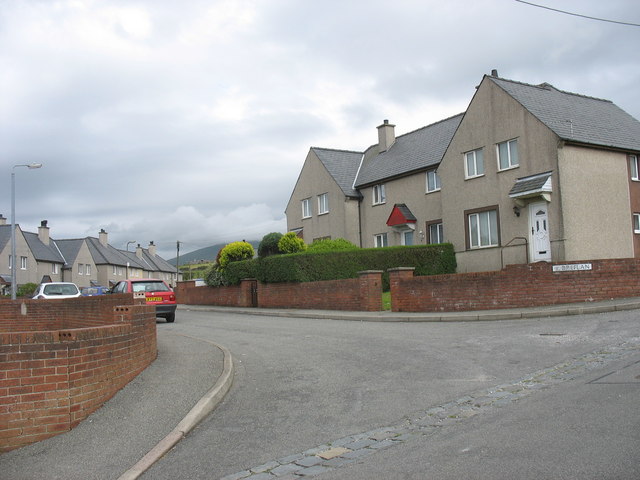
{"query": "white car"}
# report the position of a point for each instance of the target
(56, 290)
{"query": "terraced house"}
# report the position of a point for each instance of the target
(527, 173)
(84, 261)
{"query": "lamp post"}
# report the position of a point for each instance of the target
(14, 264)
(132, 241)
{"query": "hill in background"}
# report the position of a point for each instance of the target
(206, 254)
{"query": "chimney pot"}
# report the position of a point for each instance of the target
(43, 223)
(494, 73)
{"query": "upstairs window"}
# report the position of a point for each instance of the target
(507, 154)
(633, 167)
(306, 208)
(323, 203)
(433, 181)
(80, 269)
(379, 196)
(87, 269)
(23, 263)
(474, 163)
(636, 223)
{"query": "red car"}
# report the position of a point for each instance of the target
(156, 292)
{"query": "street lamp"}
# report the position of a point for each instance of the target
(14, 264)
(132, 241)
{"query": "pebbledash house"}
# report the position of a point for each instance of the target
(527, 173)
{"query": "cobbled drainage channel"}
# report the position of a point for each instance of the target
(347, 450)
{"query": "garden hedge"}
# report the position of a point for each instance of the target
(311, 267)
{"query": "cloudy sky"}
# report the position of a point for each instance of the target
(190, 120)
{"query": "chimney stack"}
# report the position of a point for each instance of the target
(152, 248)
(43, 232)
(103, 237)
(139, 251)
(386, 136)
(3, 221)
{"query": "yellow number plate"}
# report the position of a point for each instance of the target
(154, 299)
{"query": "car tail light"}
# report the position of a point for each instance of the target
(172, 298)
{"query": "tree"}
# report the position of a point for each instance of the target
(269, 245)
(291, 243)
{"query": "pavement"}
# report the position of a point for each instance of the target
(189, 379)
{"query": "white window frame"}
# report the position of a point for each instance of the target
(80, 268)
(54, 268)
(633, 166)
(379, 196)
(87, 269)
(439, 233)
(380, 240)
(477, 158)
(323, 203)
(306, 208)
(483, 224)
(636, 223)
(10, 262)
(512, 160)
(23, 263)
(433, 181)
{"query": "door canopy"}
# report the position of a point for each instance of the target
(401, 216)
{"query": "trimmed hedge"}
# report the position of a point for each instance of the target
(312, 267)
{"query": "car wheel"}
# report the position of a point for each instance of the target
(170, 318)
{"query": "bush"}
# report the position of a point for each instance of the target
(215, 278)
(291, 243)
(310, 267)
(26, 290)
(269, 245)
(328, 245)
(234, 252)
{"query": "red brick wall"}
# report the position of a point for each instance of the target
(52, 379)
(515, 286)
(357, 294)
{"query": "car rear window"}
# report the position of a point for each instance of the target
(68, 289)
(149, 287)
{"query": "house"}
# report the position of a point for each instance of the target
(527, 173)
(83, 261)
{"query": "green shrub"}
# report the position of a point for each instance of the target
(328, 245)
(310, 267)
(269, 245)
(291, 243)
(234, 252)
(26, 290)
(215, 278)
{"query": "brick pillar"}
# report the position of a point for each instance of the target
(397, 276)
(370, 290)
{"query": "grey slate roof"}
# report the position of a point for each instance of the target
(69, 249)
(5, 235)
(412, 151)
(42, 252)
(342, 165)
(107, 255)
(576, 117)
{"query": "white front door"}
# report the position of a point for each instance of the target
(539, 224)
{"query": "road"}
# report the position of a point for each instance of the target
(443, 400)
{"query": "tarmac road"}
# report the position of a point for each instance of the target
(304, 387)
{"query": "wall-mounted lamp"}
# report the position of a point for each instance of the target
(516, 211)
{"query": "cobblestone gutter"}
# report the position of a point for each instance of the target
(343, 451)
